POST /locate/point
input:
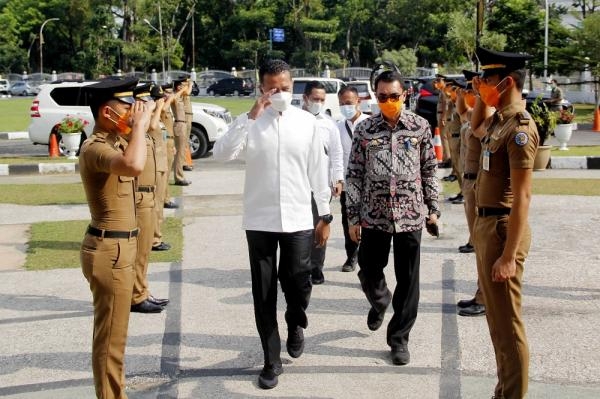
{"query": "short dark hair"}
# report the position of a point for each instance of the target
(272, 67)
(345, 89)
(519, 76)
(313, 84)
(388, 77)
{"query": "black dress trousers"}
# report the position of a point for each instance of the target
(373, 257)
(294, 276)
(351, 246)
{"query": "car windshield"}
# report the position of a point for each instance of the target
(299, 85)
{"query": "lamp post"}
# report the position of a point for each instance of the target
(162, 47)
(42, 45)
(546, 45)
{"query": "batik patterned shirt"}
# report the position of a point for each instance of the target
(391, 181)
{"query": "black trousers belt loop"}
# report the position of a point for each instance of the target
(483, 212)
(470, 176)
(111, 233)
(455, 134)
(178, 120)
(145, 189)
(189, 113)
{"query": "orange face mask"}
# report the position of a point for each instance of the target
(122, 122)
(438, 84)
(390, 109)
(490, 95)
(470, 99)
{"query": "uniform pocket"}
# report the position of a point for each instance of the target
(125, 186)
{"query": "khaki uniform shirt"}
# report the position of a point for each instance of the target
(472, 153)
(160, 149)
(110, 197)
(187, 106)
(147, 178)
(166, 117)
(511, 143)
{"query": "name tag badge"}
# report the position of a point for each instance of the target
(486, 160)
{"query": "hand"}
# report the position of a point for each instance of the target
(322, 233)
(336, 191)
(503, 269)
(140, 114)
(431, 225)
(261, 103)
(476, 82)
(354, 232)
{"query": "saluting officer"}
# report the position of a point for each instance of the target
(166, 117)
(108, 165)
(179, 128)
(503, 193)
(189, 114)
(145, 188)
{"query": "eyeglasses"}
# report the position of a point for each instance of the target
(383, 98)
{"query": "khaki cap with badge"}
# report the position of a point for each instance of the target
(500, 62)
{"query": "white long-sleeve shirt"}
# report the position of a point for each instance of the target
(345, 138)
(285, 161)
(333, 146)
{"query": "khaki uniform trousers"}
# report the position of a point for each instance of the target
(107, 264)
(457, 163)
(145, 221)
(159, 204)
(180, 142)
(503, 306)
(468, 190)
(445, 142)
(170, 159)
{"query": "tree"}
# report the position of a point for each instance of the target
(405, 59)
(586, 6)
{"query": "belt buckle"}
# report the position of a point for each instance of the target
(133, 233)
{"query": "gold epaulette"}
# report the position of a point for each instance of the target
(523, 117)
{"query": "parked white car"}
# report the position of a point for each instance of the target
(332, 87)
(368, 101)
(4, 87)
(59, 99)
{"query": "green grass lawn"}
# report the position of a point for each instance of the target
(55, 245)
(235, 105)
(584, 113)
(589, 151)
(587, 187)
(14, 114)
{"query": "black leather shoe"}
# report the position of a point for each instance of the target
(458, 201)
(400, 355)
(267, 379)
(473, 310)
(466, 249)
(349, 266)
(171, 205)
(375, 319)
(456, 197)
(445, 164)
(158, 301)
(182, 182)
(163, 246)
(449, 178)
(188, 168)
(317, 278)
(146, 307)
(465, 303)
(295, 341)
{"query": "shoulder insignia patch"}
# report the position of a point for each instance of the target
(523, 117)
(521, 139)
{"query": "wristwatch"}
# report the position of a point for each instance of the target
(327, 218)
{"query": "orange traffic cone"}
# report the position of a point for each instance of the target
(188, 156)
(437, 145)
(53, 147)
(596, 127)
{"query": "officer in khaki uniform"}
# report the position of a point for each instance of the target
(189, 114)
(108, 164)
(166, 117)
(439, 84)
(503, 194)
(145, 188)
(179, 128)
(158, 133)
(470, 154)
(453, 125)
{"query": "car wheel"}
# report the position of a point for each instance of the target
(211, 93)
(236, 93)
(198, 142)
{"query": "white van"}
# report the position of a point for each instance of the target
(332, 87)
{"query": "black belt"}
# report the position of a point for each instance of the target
(189, 113)
(111, 233)
(145, 189)
(470, 176)
(455, 134)
(170, 137)
(484, 212)
(177, 120)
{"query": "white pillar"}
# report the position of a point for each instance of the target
(193, 75)
(154, 76)
(54, 76)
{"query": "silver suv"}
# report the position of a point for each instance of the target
(59, 99)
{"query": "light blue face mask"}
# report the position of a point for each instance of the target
(348, 111)
(314, 108)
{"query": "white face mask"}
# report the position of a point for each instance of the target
(348, 111)
(281, 101)
(314, 108)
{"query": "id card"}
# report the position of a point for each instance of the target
(486, 160)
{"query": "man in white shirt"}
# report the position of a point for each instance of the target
(285, 162)
(314, 102)
(349, 106)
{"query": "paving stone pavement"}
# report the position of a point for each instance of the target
(205, 344)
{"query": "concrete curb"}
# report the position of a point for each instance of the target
(14, 135)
